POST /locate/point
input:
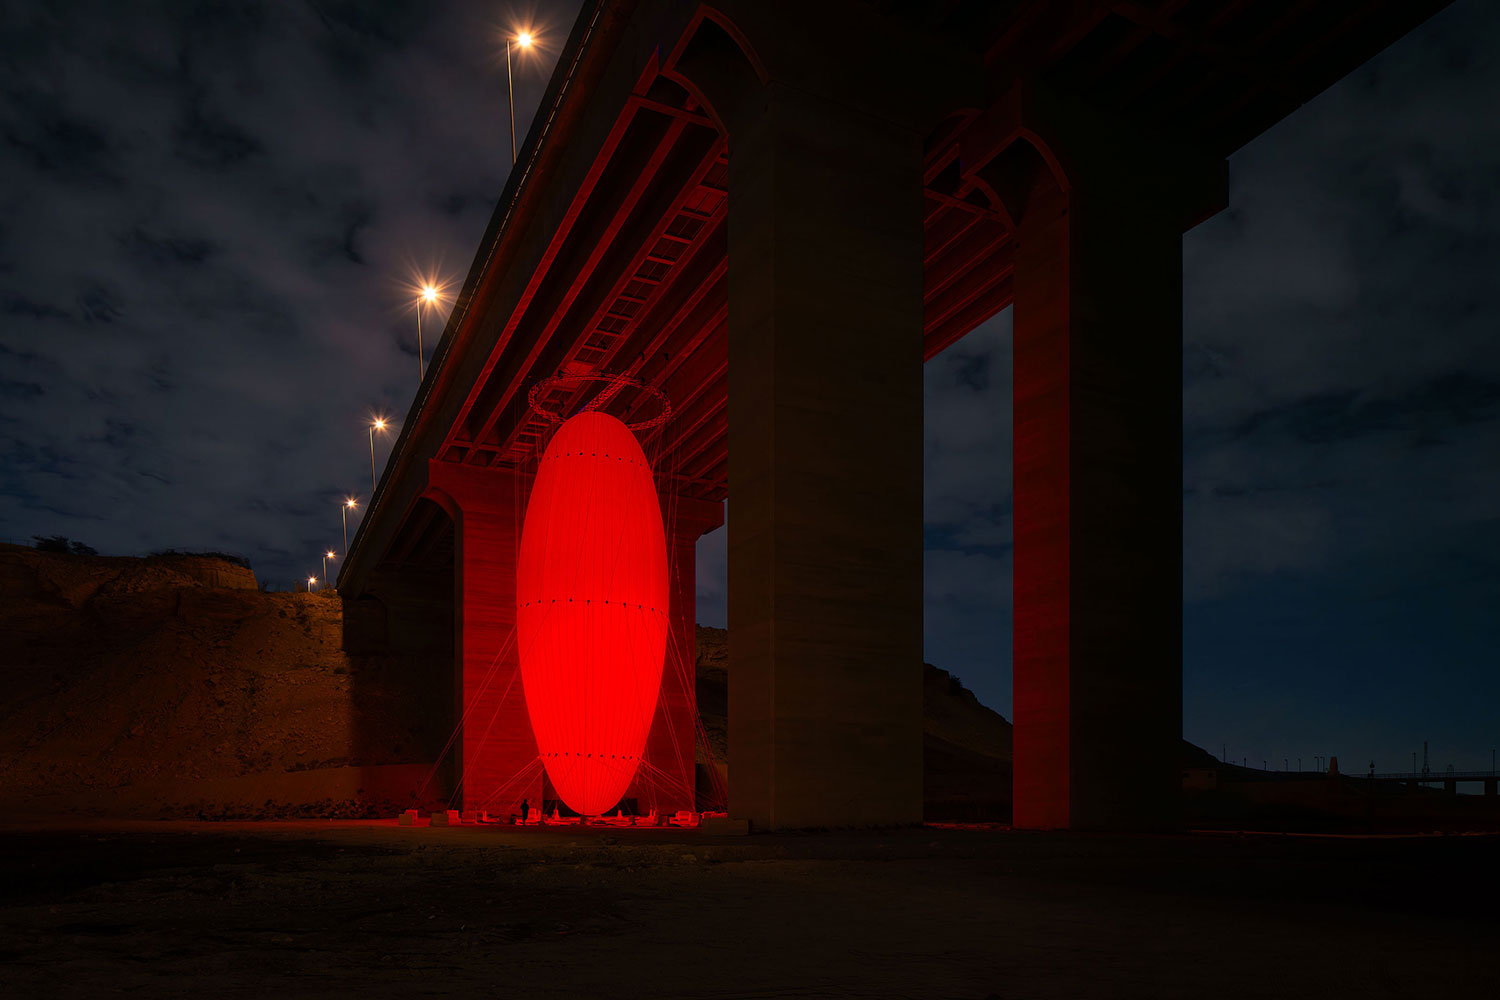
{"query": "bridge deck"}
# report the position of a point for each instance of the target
(607, 250)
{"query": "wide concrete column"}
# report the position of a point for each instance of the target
(671, 744)
(825, 463)
(495, 742)
(1098, 478)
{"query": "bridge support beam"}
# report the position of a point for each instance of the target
(1098, 474)
(825, 464)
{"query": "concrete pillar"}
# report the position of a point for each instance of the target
(399, 635)
(495, 742)
(825, 464)
(673, 739)
(1098, 481)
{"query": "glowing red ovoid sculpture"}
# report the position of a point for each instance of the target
(591, 616)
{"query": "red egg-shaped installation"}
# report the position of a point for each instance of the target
(591, 595)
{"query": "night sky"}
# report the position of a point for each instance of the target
(213, 215)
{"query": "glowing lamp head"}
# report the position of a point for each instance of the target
(429, 294)
(524, 39)
(311, 580)
(349, 503)
(328, 554)
(379, 424)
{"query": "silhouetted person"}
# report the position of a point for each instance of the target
(525, 808)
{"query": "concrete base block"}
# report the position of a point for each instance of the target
(725, 826)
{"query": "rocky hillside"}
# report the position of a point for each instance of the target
(173, 686)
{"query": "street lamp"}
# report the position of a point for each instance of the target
(310, 581)
(523, 40)
(344, 517)
(326, 556)
(428, 296)
(378, 424)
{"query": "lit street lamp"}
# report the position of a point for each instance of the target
(344, 516)
(378, 424)
(326, 556)
(525, 41)
(310, 581)
(429, 296)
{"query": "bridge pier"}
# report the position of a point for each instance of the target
(1100, 213)
(495, 742)
(825, 463)
(673, 738)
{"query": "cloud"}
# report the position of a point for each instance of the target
(208, 214)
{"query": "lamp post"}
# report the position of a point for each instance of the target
(429, 296)
(326, 556)
(378, 424)
(344, 517)
(522, 40)
(310, 581)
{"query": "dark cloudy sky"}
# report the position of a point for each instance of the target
(210, 213)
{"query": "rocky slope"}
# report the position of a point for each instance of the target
(172, 686)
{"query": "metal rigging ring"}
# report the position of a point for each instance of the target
(614, 383)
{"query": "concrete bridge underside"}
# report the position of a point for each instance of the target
(775, 212)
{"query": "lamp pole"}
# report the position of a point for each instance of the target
(429, 296)
(344, 510)
(524, 41)
(326, 556)
(310, 581)
(377, 425)
(510, 92)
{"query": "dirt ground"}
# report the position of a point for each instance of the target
(307, 909)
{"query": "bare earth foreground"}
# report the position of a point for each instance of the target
(370, 909)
